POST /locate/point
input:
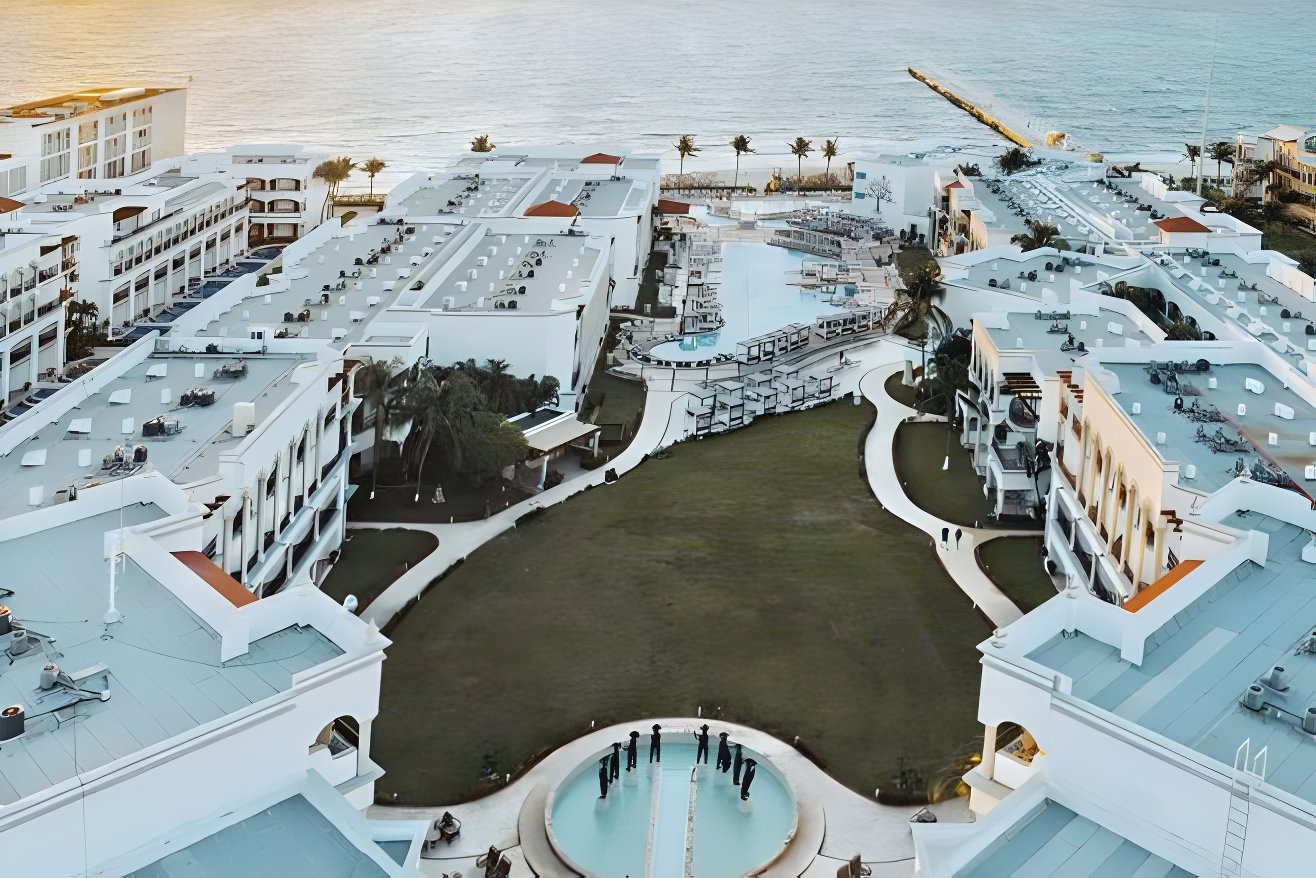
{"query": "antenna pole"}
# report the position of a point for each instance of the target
(1206, 115)
(112, 614)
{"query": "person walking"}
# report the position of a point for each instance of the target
(945, 538)
(603, 778)
(631, 759)
(736, 765)
(701, 737)
(655, 745)
(614, 762)
(750, 771)
(959, 534)
(723, 753)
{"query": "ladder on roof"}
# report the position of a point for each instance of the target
(1248, 772)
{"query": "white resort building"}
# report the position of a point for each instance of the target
(95, 134)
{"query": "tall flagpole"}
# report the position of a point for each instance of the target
(1206, 114)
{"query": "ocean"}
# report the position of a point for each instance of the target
(413, 81)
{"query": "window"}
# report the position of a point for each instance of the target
(860, 175)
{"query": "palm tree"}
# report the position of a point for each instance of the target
(1040, 234)
(922, 285)
(740, 143)
(375, 378)
(498, 378)
(333, 172)
(482, 144)
(829, 151)
(422, 399)
(800, 148)
(1222, 152)
(685, 147)
(1015, 159)
(371, 167)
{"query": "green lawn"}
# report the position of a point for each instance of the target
(462, 501)
(955, 494)
(896, 389)
(1015, 565)
(362, 569)
(751, 575)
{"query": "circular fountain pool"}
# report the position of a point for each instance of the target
(658, 817)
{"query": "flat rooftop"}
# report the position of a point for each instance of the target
(469, 195)
(1199, 664)
(1240, 292)
(593, 197)
(87, 100)
(162, 665)
(50, 459)
(291, 838)
(1054, 841)
(1020, 199)
(1043, 338)
(347, 311)
(528, 270)
(1006, 272)
(1292, 453)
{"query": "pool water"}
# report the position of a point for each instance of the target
(756, 299)
(643, 828)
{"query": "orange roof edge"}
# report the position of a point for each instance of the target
(551, 207)
(601, 158)
(669, 205)
(1160, 586)
(214, 576)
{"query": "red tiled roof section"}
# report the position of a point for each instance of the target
(1180, 224)
(551, 208)
(667, 205)
(956, 185)
(214, 576)
(8, 205)
(601, 158)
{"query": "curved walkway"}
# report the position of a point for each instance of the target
(961, 563)
(835, 822)
(456, 541)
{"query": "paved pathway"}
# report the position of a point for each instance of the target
(456, 541)
(961, 562)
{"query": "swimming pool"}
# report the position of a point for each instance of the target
(656, 816)
(755, 298)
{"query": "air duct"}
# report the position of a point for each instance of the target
(1278, 679)
(49, 676)
(1254, 697)
(1309, 721)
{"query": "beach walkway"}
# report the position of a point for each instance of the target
(961, 563)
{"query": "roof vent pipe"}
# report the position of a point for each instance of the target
(11, 722)
(1254, 697)
(6, 618)
(1308, 721)
(1278, 679)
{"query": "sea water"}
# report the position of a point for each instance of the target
(414, 81)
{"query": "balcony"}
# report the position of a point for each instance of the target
(1011, 459)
